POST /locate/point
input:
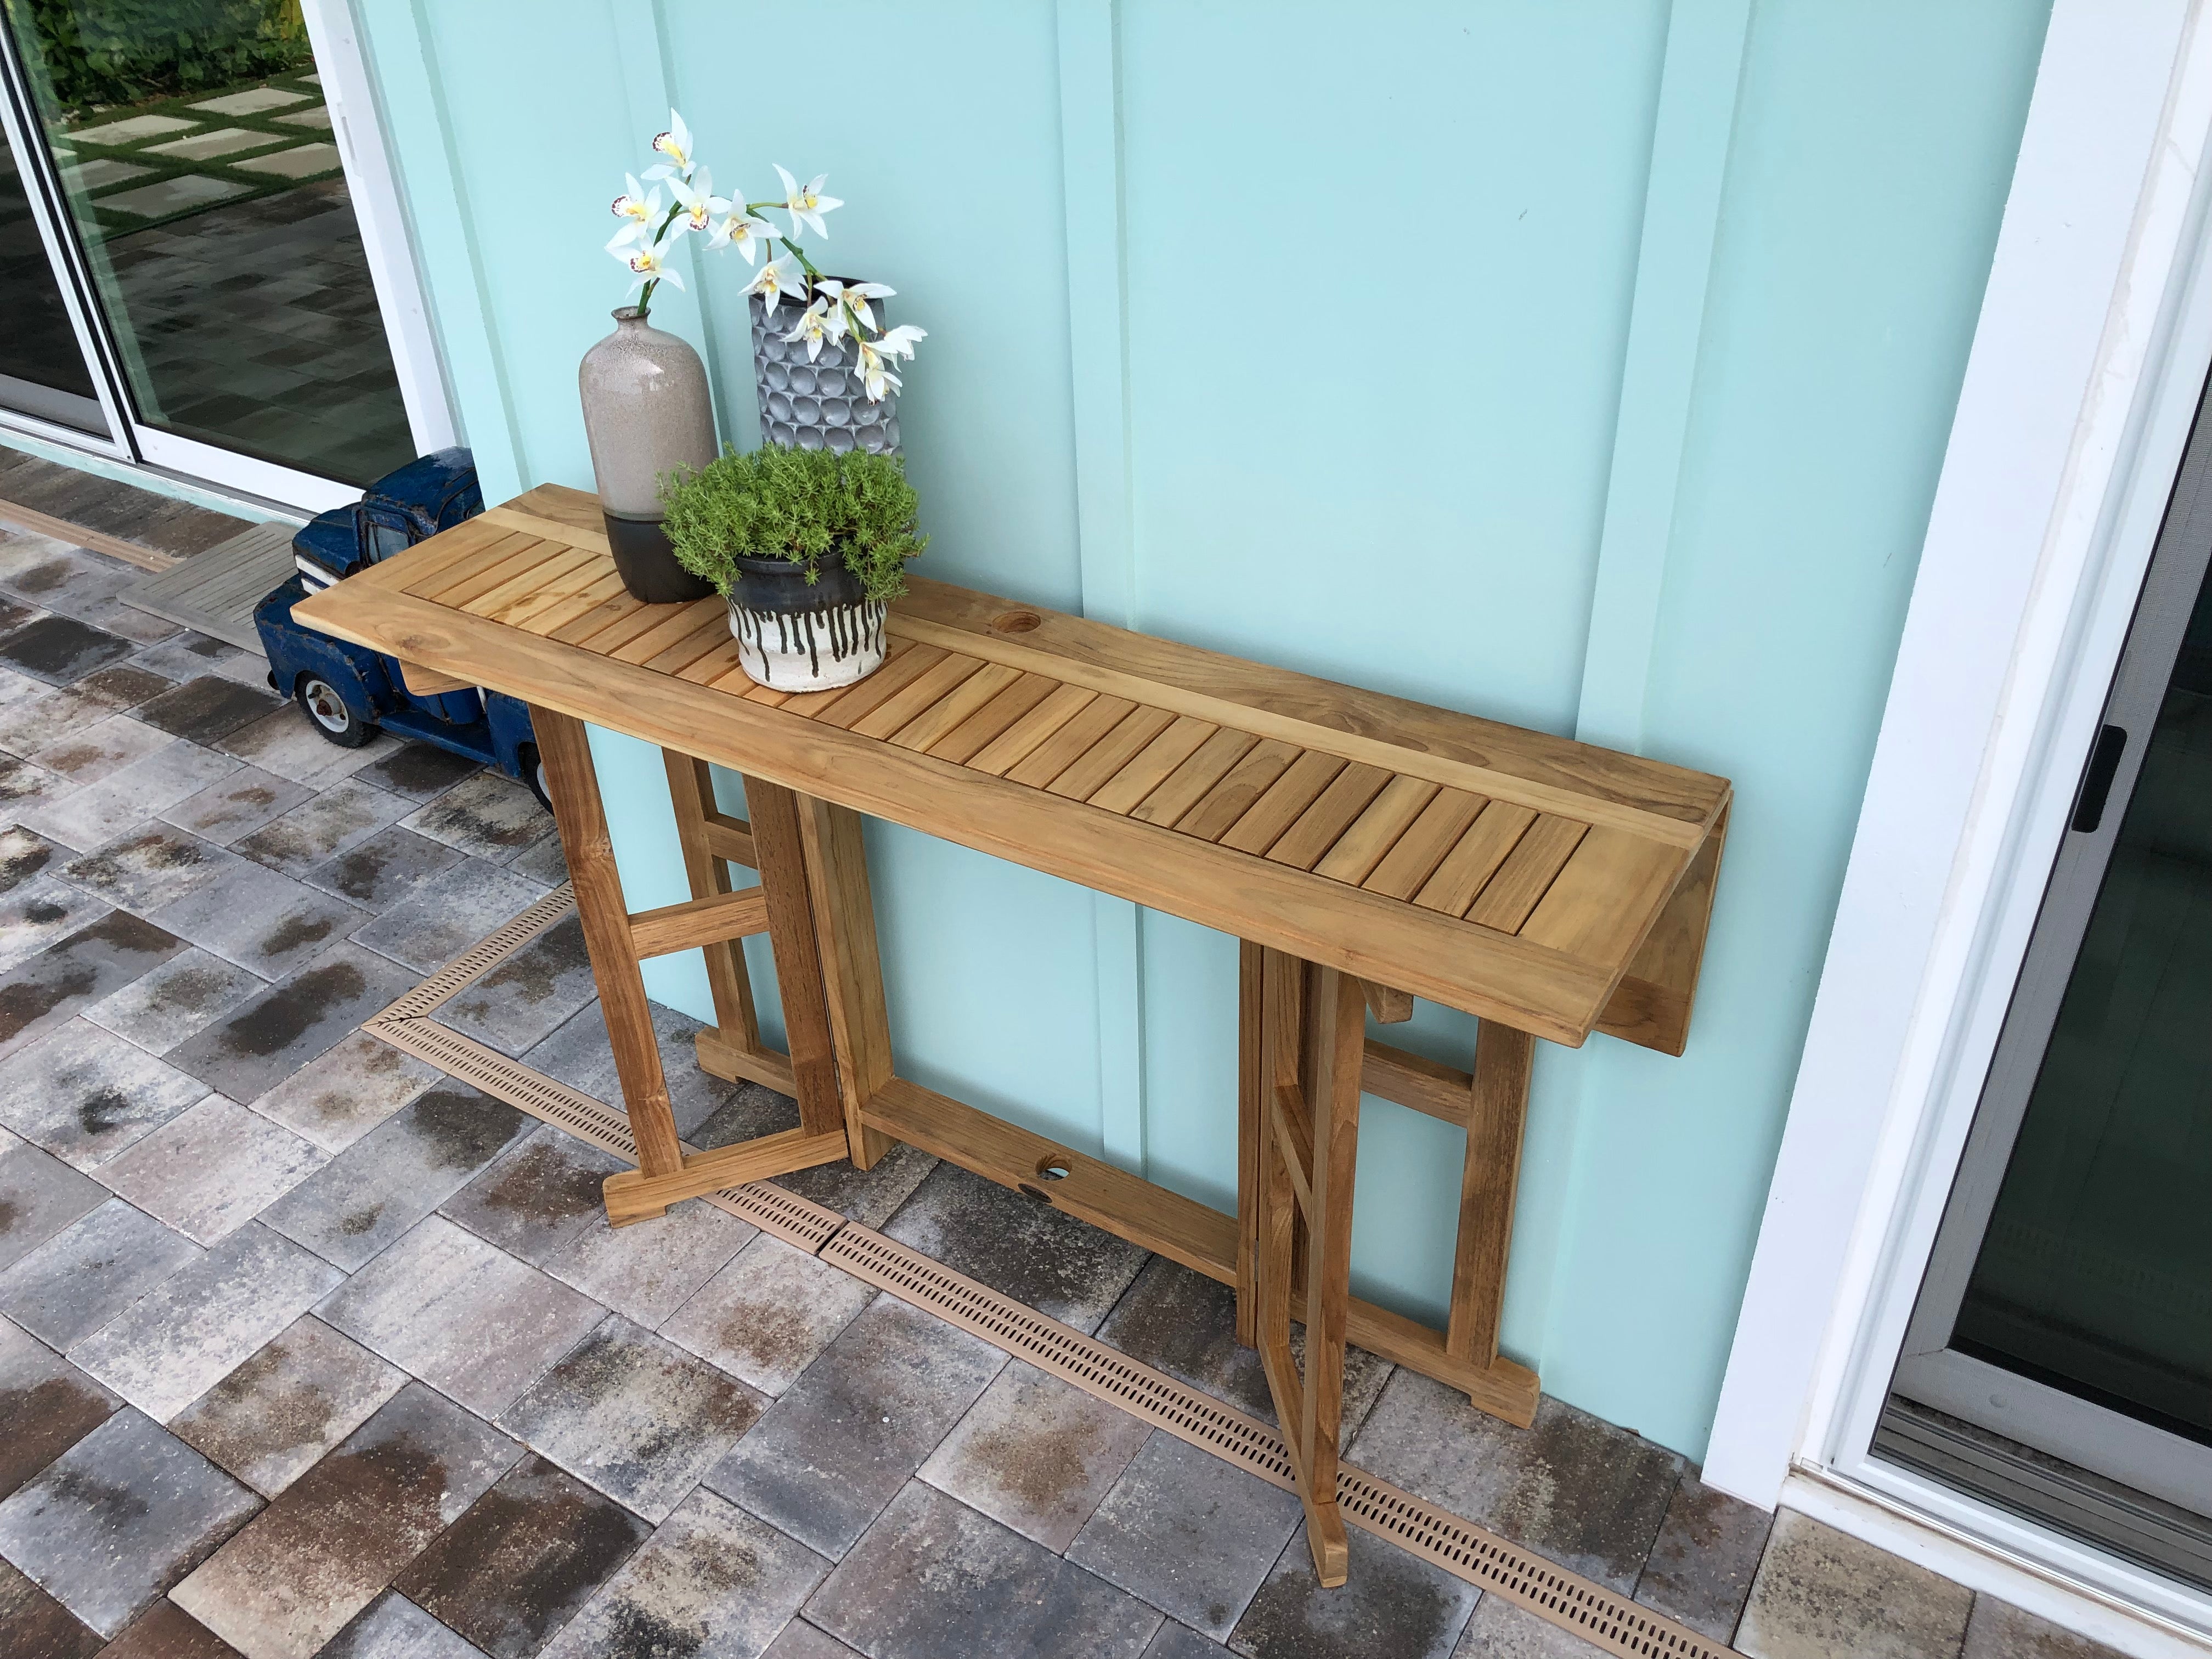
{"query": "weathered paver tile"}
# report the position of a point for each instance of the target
(1998, 1630)
(1035, 1454)
(46, 1405)
(93, 962)
(1181, 1642)
(578, 1054)
(91, 1271)
(207, 706)
(934, 1580)
(1392, 1604)
(341, 817)
(1185, 1324)
(646, 1273)
(187, 655)
(1573, 1488)
(1038, 1256)
(39, 1195)
(260, 919)
(448, 912)
(235, 805)
(40, 911)
(520, 1001)
(845, 1437)
(166, 1630)
(261, 1043)
(94, 815)
(345, 1529)
(84, 1094)
(636, 1417)
(25, 788)
(461, 1314)
(341, 1094)
(211, 1168)
(33, 1623)
(524, 1560)
(393, 1627)
(489, 816)
(1500, 1630)
(713, 1583)
(282, 742)
(383, 870)
(152, 866)
(801, 1640)
(269, 1419)
(397, 1174)
(33, 720)
(544, 862)
(766, 1314)
(58, 649)
(417, 770)
(119, 1518)
(23, 854)
(178, 998)
(1821, 1594)
(1190, 1533)
(177, 1340)
(1702, 1563)
(99, 750)
(537, 1196)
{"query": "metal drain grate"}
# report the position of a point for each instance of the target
(1598, 1615)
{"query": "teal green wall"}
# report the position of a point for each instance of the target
(1625, 337)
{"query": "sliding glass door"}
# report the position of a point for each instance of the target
(188, 155)
(2059, 1359)
(44, 372)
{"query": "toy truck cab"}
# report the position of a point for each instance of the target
(347, 692)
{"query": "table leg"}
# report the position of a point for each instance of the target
(691, 792)
(774, 813)
(1497, 1112)
(573, 784)
(1312, 1041)
(852, 969)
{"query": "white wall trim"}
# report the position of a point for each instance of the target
(2061, 455)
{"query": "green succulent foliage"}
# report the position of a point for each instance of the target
(802, 505)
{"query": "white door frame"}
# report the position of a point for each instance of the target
(2093, 345)
(373, 189)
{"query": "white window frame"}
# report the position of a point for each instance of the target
(401, 303)
(2092, 346)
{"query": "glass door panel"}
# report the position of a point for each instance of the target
(2059, 1359)
(42, 367)
(204, 183)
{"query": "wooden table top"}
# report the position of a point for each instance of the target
(1555, 886)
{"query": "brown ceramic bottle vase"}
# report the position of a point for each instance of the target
(646, 411)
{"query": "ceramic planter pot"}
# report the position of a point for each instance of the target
(646, 411)
(794, 636)
(819, 404)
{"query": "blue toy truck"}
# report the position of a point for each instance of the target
(348, 691)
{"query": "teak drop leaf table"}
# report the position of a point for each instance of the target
(1366, 850)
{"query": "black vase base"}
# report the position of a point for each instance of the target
(647, 563)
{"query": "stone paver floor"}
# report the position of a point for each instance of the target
(307, 1348)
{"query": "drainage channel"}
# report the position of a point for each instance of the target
(1600, 1616)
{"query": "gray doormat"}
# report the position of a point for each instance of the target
(214, 592)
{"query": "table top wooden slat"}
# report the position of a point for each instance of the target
(1504, 872)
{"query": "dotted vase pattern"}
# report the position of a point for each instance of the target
(820, 404)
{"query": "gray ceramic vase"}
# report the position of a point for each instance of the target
(817, 404)
(646, 411)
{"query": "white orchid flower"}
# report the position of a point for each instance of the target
(815, 328)
(676, 145)
(899, 341)
(649, 264)
(695, 197)
(856, 295)
(808, 206)
(744, 233)
(639, 208)
(778, 279)
(875, 373)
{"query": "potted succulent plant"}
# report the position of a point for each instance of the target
(810, 548)
(825, 383)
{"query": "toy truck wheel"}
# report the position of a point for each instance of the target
(533, 774)
(326, 711)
